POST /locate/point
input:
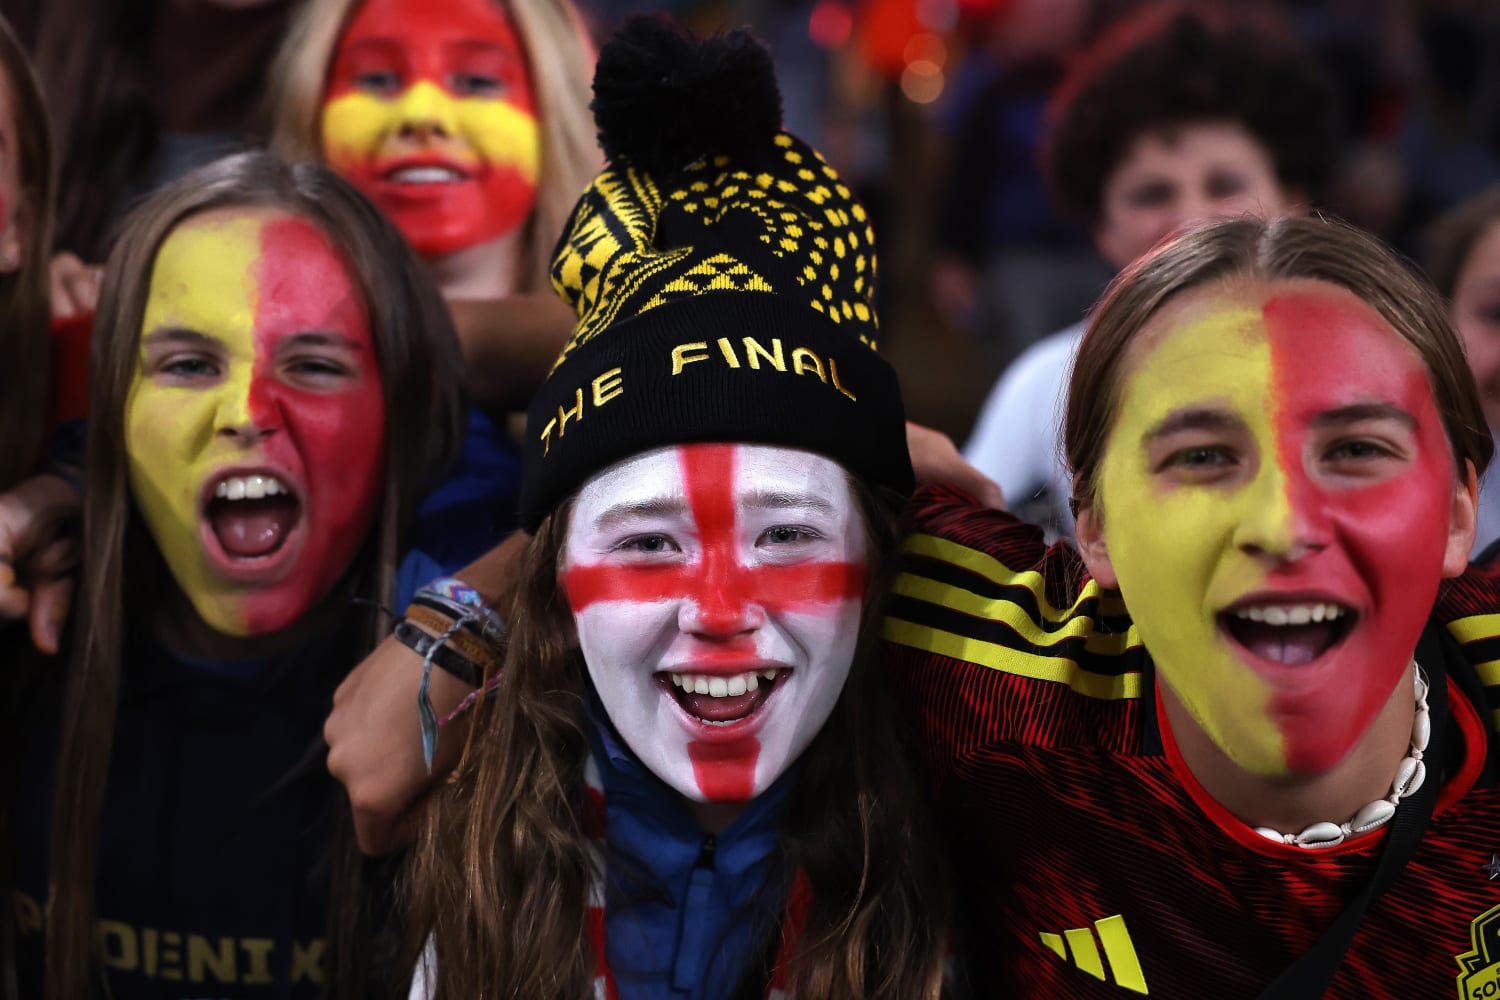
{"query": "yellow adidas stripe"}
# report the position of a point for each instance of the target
(1018, 618)
(1475, 627)
(995, 571)
(1059, 669)
(1120, 951)
(1085, 954)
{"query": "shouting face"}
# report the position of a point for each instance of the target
(1304, 506)
(430, 112)
(255, 423)
(717, 592)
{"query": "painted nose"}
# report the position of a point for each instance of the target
(723, 604)
(1284, 517)
(425, 112)
(239, 419)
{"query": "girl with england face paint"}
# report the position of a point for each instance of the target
(688, 781)
(1270, 648)
(252, 467)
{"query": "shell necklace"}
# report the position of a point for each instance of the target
(1409, 777)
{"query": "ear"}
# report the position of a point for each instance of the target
(16, 238)
(1461, 523)
(1090, 532)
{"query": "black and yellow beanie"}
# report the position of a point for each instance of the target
(723, 276)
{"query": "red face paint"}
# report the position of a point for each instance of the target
(1376, 528)
(255, 425)
(735, 568)
(431, 113)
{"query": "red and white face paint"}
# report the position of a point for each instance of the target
(717, 592)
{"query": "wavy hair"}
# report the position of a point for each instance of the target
(417, 354)
(500, 878)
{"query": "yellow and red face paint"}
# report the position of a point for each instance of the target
(1305, 508)
(430, 111)
(256, 359)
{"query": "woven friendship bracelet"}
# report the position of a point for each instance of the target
(468, 645)
(447, 657)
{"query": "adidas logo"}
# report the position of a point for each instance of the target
(1080, 947)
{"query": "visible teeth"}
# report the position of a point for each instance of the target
(720, 686)
(252, 487)
(1290, 614)
(426, 175)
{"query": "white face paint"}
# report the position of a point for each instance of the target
(717, 592)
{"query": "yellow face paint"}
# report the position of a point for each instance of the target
(254, 424)
(203, 280)
(1276, 500)
(1172, 546)
(430, 112)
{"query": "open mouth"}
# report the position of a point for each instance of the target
(425, 174)
(252, 515)
(723, 699)
(1290, 634)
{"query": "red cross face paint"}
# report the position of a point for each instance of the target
(430, 112)
(255, 423)
(717, 591)
(1301, 493)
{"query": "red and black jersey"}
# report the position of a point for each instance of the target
(1091, 862)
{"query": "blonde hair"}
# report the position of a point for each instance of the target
(560, 59)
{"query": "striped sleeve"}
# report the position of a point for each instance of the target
(993, 637)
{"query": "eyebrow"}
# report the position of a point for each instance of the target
(650, 507)
(179, 335)
(1192, 419)
(1356, 412)
(784, 500)
(319, 338)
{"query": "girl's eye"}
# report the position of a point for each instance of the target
(784, 534)
(1358, 450)
(1199, 456)
(649, 544)
(316, 366)
(190, 368)
(378, 81)
(476, 84)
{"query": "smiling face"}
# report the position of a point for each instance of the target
(1304, 507)
(430, 112)
(255, 422)
(717, 592)
(1476, 313)
(1170, 178)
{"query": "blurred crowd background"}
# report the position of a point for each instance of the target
(933, 108)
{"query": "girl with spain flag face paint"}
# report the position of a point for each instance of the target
(1259, 682)
(465, 121)
(275, 385)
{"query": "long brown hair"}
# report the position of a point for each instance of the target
(417, 353)
(560, 59)
(24, 314)
(1248, 247)
(501, 874)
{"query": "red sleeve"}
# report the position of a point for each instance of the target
(70, 368)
